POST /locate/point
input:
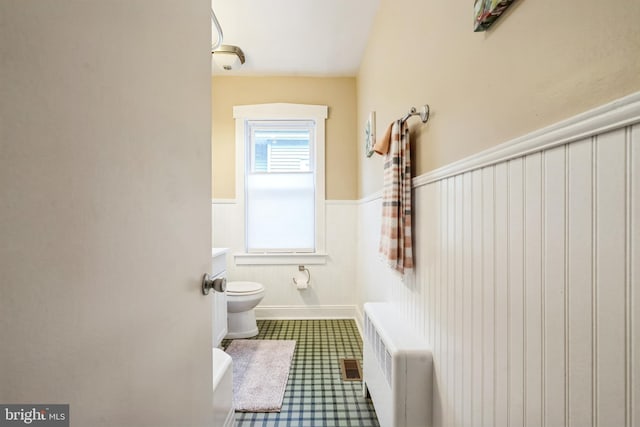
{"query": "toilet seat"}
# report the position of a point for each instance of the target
(244, 288)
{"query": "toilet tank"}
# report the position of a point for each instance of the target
(219, 299)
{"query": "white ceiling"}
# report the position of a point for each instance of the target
(297, 37)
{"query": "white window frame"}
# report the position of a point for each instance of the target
(282, 111)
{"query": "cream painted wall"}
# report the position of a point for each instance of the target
(105, 210)
(338, 93)
(540, 63)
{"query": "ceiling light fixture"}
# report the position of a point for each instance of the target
(228, 57)
(218, 28)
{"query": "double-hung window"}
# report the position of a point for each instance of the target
(280, 150)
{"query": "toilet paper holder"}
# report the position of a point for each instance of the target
(302, 284)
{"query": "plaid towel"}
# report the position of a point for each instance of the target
(395, 236)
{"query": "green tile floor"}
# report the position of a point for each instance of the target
(315, 395)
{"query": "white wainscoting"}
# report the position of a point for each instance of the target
(527, 284)
(332, 292)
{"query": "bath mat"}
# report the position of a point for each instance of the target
(260, 373)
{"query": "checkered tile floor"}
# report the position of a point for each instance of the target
(316, 396)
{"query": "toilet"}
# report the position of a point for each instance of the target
(242, 298)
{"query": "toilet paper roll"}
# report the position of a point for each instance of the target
(301, 280)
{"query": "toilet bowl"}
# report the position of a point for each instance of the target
(242, 298)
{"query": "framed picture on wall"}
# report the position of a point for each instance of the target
(370, 134)
(487, 12)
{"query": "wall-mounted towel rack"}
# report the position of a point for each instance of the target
(423, 113)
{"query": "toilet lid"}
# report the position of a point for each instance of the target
(244, 287)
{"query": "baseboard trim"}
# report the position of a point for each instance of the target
(305, 312)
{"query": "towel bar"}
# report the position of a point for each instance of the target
(423, 113)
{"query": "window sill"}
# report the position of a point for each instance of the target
(280, 258)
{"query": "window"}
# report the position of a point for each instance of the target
(280, 181)
(279, 186)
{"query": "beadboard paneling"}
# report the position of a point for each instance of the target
(526, 285)
(633, 293)
(554, 250)
(610, 274)
(580, 281)
(534, 292)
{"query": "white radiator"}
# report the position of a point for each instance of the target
(398, 369)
